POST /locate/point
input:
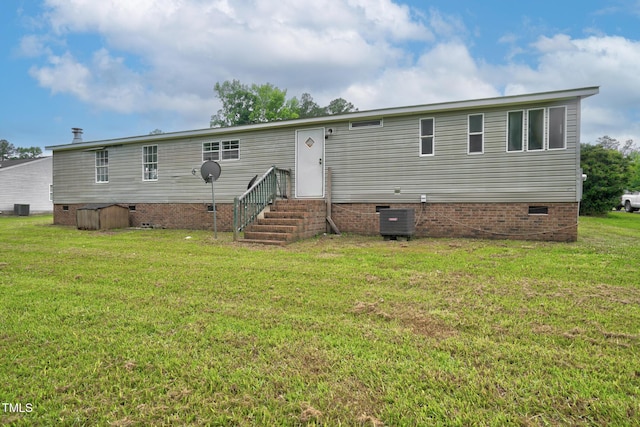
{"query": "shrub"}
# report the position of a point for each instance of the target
(608, 174)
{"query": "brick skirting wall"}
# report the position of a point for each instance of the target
(477, 220)
(192, 216)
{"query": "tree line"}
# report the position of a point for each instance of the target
(612, 167)
(244, 104)
(10, 152)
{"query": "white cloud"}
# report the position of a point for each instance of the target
(186, 46)
(33, 46)
(64, 75)
(609, 62)
(165, 56)
(445, 73)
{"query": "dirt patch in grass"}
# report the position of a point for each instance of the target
(309, 413)
(414, 318)
(367, 420)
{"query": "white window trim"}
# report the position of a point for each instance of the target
(144, 178)
(524, 131)
(548, 130)
(222, 150)
(212, 151)
(544, 129)
(433, 137)
(469, 133)
(102, 166)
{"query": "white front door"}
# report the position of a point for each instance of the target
(310, 163)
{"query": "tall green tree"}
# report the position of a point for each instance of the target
(271, 104)
(340, 106)
(238, 103)
(243, 104)
(7, 150)
(627, 149)
(634, 181)
(307, 107)
(607, 173)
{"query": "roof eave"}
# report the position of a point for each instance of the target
(386, 112)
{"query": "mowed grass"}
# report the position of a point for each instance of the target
(173, 327)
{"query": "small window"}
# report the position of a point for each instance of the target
(515, 131)
(557, 120)
(65, 207)
(365, 124)
(426, 137)
(102, 166)
(210, 151)
(230, 150)
(150, 163)
(132, 208)
(476, 134)
(381, 207)
(536, 130)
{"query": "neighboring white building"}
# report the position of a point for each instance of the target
(26, 182)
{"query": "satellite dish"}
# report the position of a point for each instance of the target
(210, 171)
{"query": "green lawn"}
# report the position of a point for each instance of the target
(173, 327)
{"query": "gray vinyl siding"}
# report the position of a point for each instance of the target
(372, 165)
(368, 164)
(74, 171)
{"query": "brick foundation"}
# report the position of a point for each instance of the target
(192, 216)
(477, 220)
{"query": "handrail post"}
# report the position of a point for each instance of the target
(274, 183)
(235, 218)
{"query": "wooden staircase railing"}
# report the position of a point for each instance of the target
(274, 183)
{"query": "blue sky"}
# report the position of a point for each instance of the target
(120, 68)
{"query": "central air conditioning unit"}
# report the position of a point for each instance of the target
(21, 210)
(396, 223)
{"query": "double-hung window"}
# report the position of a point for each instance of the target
(150, 163)
(557, 123)
(230, 150)
(515, 131)
(102, 166)
(535, 139)
(210, 151)
(221, 150)
(476, 133)
(427, 127)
